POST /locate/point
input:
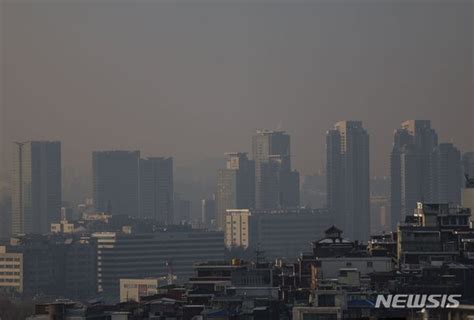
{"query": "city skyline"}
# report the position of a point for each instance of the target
(182, 163)
(283, 160)
(438, 183)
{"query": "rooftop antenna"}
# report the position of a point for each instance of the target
(170, 277)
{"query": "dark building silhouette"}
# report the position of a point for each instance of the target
(235, 185)
(313, 191)
(36, 186)
(410, 169)
(276, 185)
(55, 265)
(156, 189)
(446, 178)
(208, 211)
(182, 209)
(347, 147)
(116, 181)
(468, 163)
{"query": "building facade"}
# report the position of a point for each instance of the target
(116, 181)
(446, 175)
(410, 167)
(235, 185)
(236, 232)
(276, 185)
(208, 212)
(281, 233)
(347, 147)
(432, 236)
(36, 186)
(468, 197)
(134, 289)
(52, 265)
(156, 189)
(468, 164)
(129, 256)
(11, 271)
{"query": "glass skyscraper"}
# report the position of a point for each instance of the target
(36, 186)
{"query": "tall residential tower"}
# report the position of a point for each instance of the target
(116, 181)
(446, 176)
(276, 185)
(468, 164)
(347, 147)
(36, 186)
(411, 168)
(156, 189)
(235, 185)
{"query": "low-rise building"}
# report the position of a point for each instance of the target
(135, 289)
(166, 252)
(237, 228)
(11, 271)
(327, 304)
(53, 265)
(468, 197)
(330, 267)
(62, 227)
(334, 257)
(432, 236)
(273, 231)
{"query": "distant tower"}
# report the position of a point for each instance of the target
(36, 186)
(410, 168)
(276, 185)
(235, 185)
(446, 178)
(347, 147)
(156, 189)
(468, 164)
(208, 211)
(116, 181)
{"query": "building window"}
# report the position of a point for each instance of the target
(348, 264)
(370, 264)
(326, 300)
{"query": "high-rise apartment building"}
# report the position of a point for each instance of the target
(313, 191)
(410, 168)
(276, 185)
(36, 186)
(208, 212)
(5, 213)
(156, 189)
(235, 185)
(116, 181)
(181, 209)
(446, 177)
(347, 147)
(468, 164)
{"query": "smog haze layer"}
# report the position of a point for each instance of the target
(194, 80)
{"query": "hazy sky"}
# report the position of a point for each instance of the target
(194, 80)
